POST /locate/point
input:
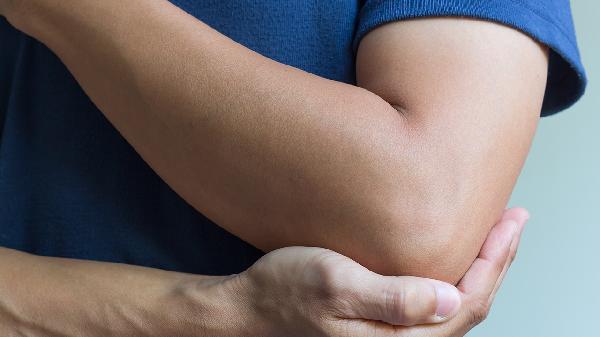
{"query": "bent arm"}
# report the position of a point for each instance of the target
(281, 157)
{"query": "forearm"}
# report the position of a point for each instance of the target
(265, 150)
(54, 297)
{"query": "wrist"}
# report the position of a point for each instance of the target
(210, 306)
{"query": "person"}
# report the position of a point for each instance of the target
(189, 137)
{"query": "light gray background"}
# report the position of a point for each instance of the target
(553, 289)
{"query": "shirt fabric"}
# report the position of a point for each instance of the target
(71, 186)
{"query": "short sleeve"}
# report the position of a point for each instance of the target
(548, 21)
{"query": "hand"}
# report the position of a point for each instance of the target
(480, 284)
(316, 292)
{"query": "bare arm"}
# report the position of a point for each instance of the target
(50, 297)
(281, 157)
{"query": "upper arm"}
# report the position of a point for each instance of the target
(471, 94)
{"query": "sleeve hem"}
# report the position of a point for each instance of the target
(567, 79)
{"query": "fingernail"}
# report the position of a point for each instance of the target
(448, 300)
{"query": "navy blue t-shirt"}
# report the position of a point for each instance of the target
(71, 186)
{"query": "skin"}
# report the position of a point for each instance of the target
(406, 175)
(296, 291)
(383, 176)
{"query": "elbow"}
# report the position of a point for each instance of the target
(434, 223)
(438, 247)
(433, 251)
(433, 232)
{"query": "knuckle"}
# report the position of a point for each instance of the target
(334, 289)
(499, 266)
(331, 285)
(331, 278)
(396, 303)
(408, 304)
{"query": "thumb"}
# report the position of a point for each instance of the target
(402, 300)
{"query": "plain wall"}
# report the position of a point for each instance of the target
(553, 288)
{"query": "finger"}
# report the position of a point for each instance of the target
(400, 300)
(457, 326)
(480, 279)
(521, 216)
(363, 328)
